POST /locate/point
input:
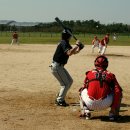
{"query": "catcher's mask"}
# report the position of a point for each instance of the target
(101, 62)
(65, 34)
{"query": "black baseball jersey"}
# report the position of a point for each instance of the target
(60, 55)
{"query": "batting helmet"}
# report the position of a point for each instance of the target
(65, 34)
(101, 62)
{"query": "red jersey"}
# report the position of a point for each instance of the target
(15, 35)
(100, 83)
(105, 41)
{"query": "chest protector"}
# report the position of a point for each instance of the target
(101, 76)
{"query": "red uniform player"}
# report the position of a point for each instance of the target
(101, 90)
(15, 38)
(103, 44)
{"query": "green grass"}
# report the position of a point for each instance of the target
(54, 38)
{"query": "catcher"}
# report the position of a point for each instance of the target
(101, 90)
(63, 51)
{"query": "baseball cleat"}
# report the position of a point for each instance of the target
(113, 117)
(86, 115)
(61, 103)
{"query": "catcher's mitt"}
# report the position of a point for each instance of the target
(80, 45)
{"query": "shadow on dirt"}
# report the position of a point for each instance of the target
(109, 55)
(75, 104)
(125, 105)
(117, 55)
(122, 119)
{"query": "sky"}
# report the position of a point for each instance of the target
(104, 11)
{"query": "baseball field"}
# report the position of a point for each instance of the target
(28, 89)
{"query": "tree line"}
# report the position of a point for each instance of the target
(86, 26)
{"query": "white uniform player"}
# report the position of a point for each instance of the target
(95, 43)
(114, 37)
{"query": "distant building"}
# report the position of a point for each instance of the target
(18, 24)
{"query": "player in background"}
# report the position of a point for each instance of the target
(15, 38)
(114, 37)
(101, 90)
(103, 44)
(95, 43)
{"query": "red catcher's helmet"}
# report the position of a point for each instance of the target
(101, 62)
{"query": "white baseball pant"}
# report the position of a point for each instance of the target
(96, 104)
(102, 49)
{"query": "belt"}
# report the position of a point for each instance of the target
(92, 98)
(56, 63)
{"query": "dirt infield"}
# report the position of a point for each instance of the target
(28, 89)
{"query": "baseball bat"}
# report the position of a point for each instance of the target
(64, 27)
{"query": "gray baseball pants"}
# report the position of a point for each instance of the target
(64, 78)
